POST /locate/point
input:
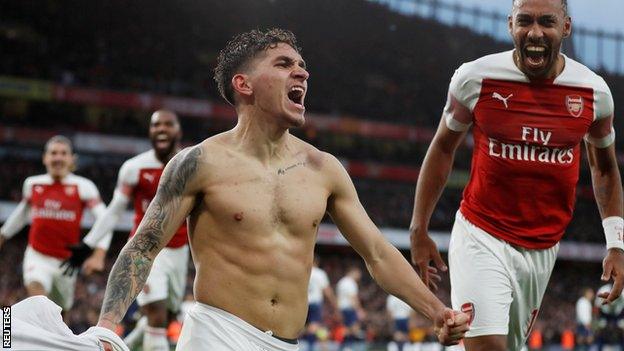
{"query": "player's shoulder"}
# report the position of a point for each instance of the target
(80, 181)
(314, 158)
(38, 179)
(142, 160)
(499, 65)
(86, 187)
(577, 74)
(77, 179)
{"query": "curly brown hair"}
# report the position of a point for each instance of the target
(241, 50)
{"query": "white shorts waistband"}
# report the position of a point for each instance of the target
(245, 327)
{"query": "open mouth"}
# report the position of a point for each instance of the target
(295, 95)
(162, 140)
(535, 56)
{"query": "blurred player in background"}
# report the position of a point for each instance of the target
(610, 323)
(399, 313)
(318, 289)
(530, 108)
(138, 181)
(55, 202)
(584, 317)
(350, 306)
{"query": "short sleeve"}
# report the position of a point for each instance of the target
(127, 178)
(461, 99)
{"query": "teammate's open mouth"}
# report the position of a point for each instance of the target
(296, 95)
(536, 55)
(162, 140)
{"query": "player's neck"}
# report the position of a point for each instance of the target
(552, 74)
(164, 159)
(261, 137)
(58, 177)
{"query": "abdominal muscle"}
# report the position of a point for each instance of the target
(262, 279)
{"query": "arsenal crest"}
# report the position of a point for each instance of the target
(468, 308)
(574, 103)
(70, 190)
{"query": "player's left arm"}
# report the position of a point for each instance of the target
(607, 186)
(384, 262)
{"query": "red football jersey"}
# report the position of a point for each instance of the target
(527, 136)
(56, 211)
(140, 176)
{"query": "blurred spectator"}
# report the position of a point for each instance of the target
(584, 312)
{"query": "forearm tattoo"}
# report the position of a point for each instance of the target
(132, 267)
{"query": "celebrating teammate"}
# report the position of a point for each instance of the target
(254, 197)
(529, 109)
(54, 202)
(138, 180)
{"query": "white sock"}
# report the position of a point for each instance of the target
(137, 333)
(155, 339)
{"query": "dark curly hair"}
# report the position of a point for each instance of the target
(241, 49)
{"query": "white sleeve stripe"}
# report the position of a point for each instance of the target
(603, 142)
(18, 219)
(106, 222)
(456, 125)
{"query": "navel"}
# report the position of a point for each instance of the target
(238, 216)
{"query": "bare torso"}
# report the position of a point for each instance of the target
(253, 230)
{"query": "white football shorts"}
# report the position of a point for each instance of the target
(167, 279)
(501, 285)
(46, 271)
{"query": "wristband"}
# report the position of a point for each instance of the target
(614, 230)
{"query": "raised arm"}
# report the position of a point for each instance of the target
(19, 218)
(106, 219)
(174, 200)
(384, 262)
(16, 221)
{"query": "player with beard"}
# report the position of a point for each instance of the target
(138, 181)
(529, 109)
(54, 202)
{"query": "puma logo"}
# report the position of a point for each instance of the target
(501, 98)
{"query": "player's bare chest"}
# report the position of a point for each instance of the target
(291, 194)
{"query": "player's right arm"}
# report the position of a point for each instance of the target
(105, 223)
(433, 175)
(19, 218)
(175, 198)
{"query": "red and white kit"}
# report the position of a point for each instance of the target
(521, 193)
(138, 180)
(55, 209)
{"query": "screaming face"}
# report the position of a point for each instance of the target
(278, 83)
(538, 28)
(164, 133)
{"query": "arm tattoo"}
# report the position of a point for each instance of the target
(132, 267)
